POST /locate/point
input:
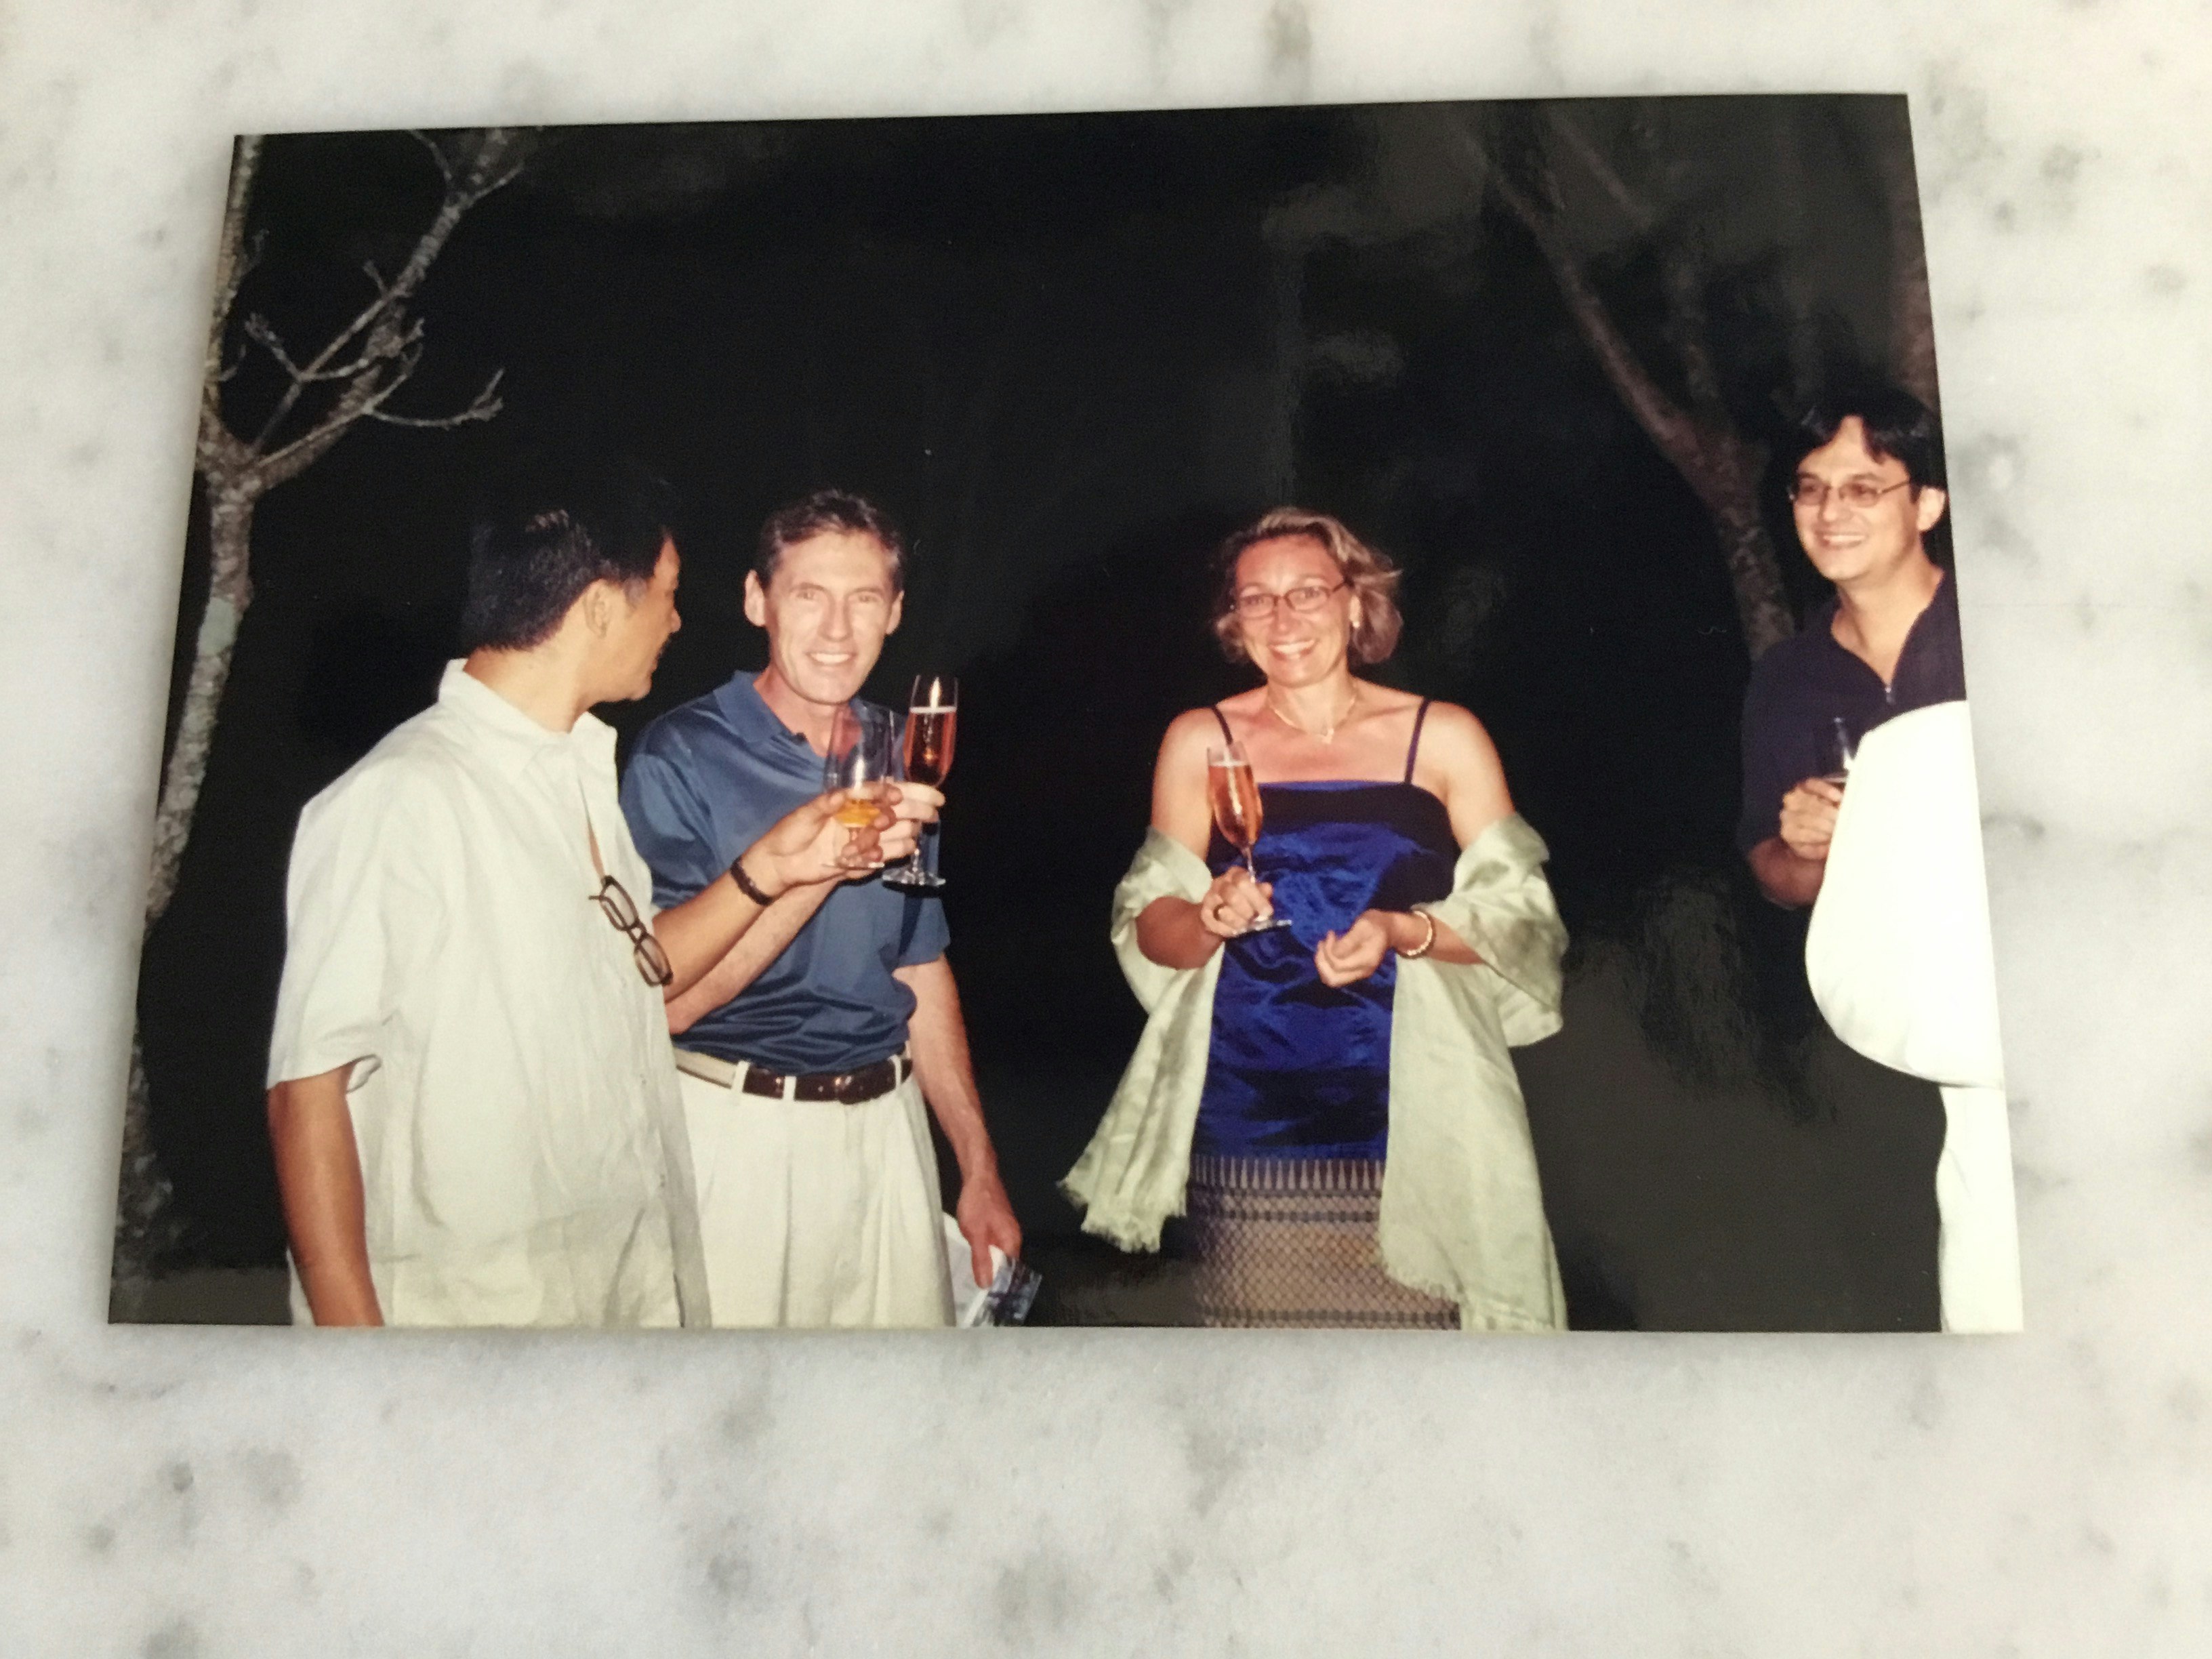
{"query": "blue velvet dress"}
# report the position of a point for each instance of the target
(1298, 1069)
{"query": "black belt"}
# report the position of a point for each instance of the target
(846, 1088)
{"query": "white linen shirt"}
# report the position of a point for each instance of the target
(513, 1091)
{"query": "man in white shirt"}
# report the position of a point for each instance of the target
(472, 1097)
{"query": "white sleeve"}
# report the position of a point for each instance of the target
(360, 905)
(1899, 951)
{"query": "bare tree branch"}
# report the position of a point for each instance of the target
(437, 154)
(362, 398)
(1609, 178)
(216, 451)
(365, 362)
(258, 330)
(1691, 327)
(1653, 408)
(1702, 445)
(1678, 277)
(383, 347)
(234, 255)
(497, 161)
(482, 407)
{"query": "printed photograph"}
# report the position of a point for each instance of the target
(1337, 716)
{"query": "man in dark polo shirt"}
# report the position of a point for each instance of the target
(808, 1055)
(1906, 891)
(1866, 493)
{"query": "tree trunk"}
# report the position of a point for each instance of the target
(1713, 460)
(1717, 465)
(1753, 571)
(230, 589)
(147, 1228)
(234, 474)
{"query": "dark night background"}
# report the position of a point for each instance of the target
(1068, 353)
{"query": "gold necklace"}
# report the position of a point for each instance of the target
(1334, 725)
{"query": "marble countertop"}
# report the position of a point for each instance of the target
(184, 1494)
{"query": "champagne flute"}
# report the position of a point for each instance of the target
(1234, 794)
(933, 719)
(1838, 749)
(859, 754)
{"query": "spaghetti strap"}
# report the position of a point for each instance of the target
(1227, 736)
(1414, 748)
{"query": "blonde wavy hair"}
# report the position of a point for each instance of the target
(1371, 575)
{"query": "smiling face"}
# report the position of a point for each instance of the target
(1294, 647)
(1864, 546)
(638, 629)
(827, 609)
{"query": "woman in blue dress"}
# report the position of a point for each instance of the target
(1369, 797)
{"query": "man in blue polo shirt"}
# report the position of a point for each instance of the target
(808, 1053)
(1865, 495)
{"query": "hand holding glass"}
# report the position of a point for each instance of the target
(932, 717)
(859, 754)
(1233, 792)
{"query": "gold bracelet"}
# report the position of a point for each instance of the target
(1427, 939)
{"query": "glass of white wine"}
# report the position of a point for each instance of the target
(860, 752)
(1233, 792)
(933, 719)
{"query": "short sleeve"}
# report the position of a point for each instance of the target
(930, 934)
(362, 907)
(670, 825)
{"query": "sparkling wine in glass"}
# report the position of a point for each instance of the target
(1233, 792)
(933, 719)
(859, 753)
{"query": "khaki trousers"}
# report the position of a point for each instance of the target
(815, 1213)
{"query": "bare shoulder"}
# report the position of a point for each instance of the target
(1459, 764)
(1454, 736)
(1179, 805)
(1187, 737)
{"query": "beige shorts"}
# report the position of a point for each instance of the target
(815, 1214)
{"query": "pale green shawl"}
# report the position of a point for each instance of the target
(1462, 1215)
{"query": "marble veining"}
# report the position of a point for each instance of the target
(185, 1494)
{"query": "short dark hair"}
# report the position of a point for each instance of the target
(828, 512)
(546, 532)
(1899, 427)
